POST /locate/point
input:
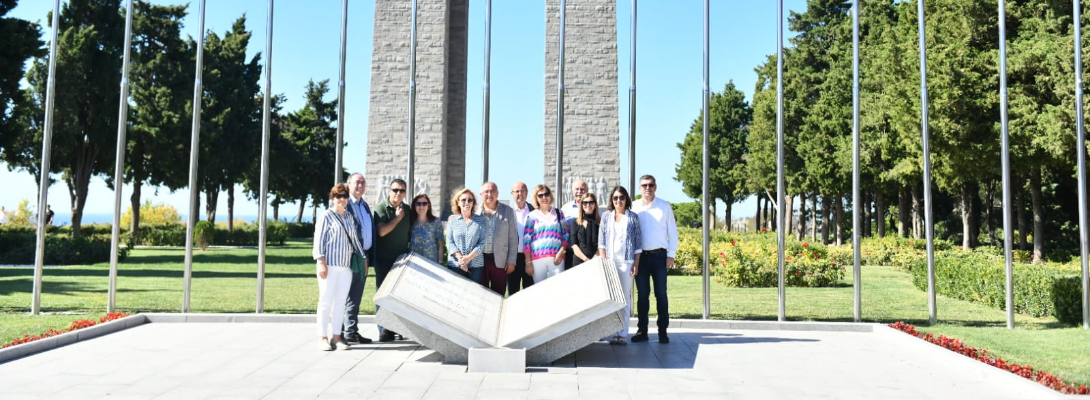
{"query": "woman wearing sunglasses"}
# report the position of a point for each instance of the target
(334, 242)
(619, 240)
(584, 230)
(465, 237)
(427, 230)
(545, 237)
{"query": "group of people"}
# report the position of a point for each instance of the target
(503, 247)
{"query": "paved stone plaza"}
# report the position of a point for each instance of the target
(279, 361)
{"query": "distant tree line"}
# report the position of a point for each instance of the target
(963, 85)
(85, 122)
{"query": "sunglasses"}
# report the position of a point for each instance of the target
(467, 200)
(647, 185)
(341, 196)
(589, 203)
(398, 190)
(543, 195)
(421, 204)
(618, 198)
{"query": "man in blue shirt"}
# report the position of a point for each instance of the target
(365, 230)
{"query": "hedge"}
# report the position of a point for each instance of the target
(17, 246)
(1039, 289)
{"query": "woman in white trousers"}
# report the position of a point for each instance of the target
(334, 243)
(619, 241)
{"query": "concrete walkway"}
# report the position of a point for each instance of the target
(280, 361)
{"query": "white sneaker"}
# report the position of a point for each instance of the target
(324, 345)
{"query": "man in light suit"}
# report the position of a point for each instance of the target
(501, 242)
(365, 230)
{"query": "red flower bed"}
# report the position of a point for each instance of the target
(1025, 371)
(76, 325)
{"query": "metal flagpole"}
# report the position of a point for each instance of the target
(43, 180)
(706, 206)
(929, 224)
(1081, 145)
(559, 190)
(1008, 235)
(782, 309)
(266, 127)
(632, 101)
(857, 222)
(119, 165)
(410, 189)
(487, 83)
(194, 148)
(338, 173)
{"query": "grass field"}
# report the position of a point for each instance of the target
(224, 280)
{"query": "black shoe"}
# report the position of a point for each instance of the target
(355, 337)
(663, 337)
(640, 337)
(387, 336)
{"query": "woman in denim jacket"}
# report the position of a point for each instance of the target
(619, 241)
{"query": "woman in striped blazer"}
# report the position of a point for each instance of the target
(334, 242)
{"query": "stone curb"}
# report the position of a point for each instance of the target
(987, 372)
(50, 343)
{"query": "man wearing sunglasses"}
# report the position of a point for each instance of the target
(368, 235)
(392, 217)
(658, 232)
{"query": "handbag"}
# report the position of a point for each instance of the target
(359, 262)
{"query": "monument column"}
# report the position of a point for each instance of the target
(591, 131)
(442, 46)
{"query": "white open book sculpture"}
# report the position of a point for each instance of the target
(450, 314)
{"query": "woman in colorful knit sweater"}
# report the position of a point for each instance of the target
(545, 237)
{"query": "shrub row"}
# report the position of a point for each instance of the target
(244, 234)
(1039, 289)
(18, 247)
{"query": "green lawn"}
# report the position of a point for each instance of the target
(224, 280)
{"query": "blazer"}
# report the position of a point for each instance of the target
(359, 229)
(632, 242)
(505, 239)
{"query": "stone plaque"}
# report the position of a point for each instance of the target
(451, 314)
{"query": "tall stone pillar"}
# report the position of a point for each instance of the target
(441, 54)
(591, 141)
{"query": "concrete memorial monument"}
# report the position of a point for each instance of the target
(451, 314)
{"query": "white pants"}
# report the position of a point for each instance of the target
(332, 293)
(544, 268)
(624, 271)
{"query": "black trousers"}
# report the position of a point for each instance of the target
(382, 268)
(519, 279)
(652, 267)
(352, 304)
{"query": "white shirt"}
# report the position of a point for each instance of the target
(3, 217)
(620, 235)
(520, 218)
(658, 228)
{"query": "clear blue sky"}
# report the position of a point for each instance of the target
(306, 46)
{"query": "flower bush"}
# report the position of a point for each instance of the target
(1025, 371)
(754, 263)
(76, 325)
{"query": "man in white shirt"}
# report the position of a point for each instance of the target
(519, 279)
(3, 216)
(658, 229)
(571, 212)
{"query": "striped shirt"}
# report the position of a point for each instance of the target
(335, 239)
(544, 234)
(465, 238)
